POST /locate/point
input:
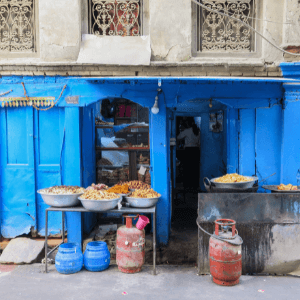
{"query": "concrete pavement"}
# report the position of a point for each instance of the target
(172, 282)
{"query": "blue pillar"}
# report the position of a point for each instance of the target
(232, 141)
(71, 170)
(160, 147)
(290, 153)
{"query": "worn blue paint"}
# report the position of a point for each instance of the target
(49, 142)
(290, 160)
(160, 145)
(256, 136)
(72, 168)
(18, 206)
(247, 154)
(88, 158)
(232, 141)
(268, 143)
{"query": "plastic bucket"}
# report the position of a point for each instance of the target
(142, 222)
(69, 258)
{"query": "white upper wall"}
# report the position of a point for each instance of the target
(62, 35)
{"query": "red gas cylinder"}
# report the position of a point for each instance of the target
(130, 247)
(225, 253)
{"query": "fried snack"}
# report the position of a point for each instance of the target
(288, 187)
(119, 189)
(99, 187)
(98, 195)
(136, 184)
(145, 193)
(230, 178)
(64, 190)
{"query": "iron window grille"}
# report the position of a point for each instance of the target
(218, 33)
(17, 30)
(115, 17)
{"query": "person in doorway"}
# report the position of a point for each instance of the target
(191, 159)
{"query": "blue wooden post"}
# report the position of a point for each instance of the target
(232, 141)
(72, 165)
(160, 175)
(290, 154)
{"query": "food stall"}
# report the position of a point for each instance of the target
(59, 142)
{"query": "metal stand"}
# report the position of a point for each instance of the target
(123, 210)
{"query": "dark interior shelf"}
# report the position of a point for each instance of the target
(123, 149)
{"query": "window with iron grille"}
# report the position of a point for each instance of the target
(17, 30)
(115, 17)
(218, 33)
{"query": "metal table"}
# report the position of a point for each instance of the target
(123, 210)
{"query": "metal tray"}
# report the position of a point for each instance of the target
(233, 185)
(100, 205)
(274, 189)
(142, 202)
(60, 200)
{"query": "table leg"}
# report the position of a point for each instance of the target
(154, 243)
(46, 242)
(63, 226)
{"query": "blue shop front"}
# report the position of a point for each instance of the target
(42, 147)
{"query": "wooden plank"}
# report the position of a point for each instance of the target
(247, 142)
(268, 143)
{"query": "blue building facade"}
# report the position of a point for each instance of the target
(56, 146)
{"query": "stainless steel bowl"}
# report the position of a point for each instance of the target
(100, 205)
(233, 185)
(142, 202)
(60, 200)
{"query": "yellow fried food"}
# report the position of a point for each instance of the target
(288, 187)
(98, 195)
(145, 193)
(234, 177)
(119, 189)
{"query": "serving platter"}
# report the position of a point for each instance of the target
(274, 189)
(60, 200)
(100, 205)
(142, 202)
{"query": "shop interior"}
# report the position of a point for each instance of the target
(122, 153)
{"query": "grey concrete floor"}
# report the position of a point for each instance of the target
(172, 282)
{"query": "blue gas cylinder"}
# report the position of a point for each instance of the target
(69, 258)
(96, 257)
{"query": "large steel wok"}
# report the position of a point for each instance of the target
(232, 185)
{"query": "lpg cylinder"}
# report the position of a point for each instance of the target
(225, 253)
(130, 254)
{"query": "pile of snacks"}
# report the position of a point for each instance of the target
(140, 146)
(288, 187)
(148, 178)
(136, 184)
(99, 187)
(119, 189)
(145, 178)
(124, 174)
(98, 195)
(146, 193)
(144, 160)
(101, 122)
(230, 178)
(104, 162)
(64, 190)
